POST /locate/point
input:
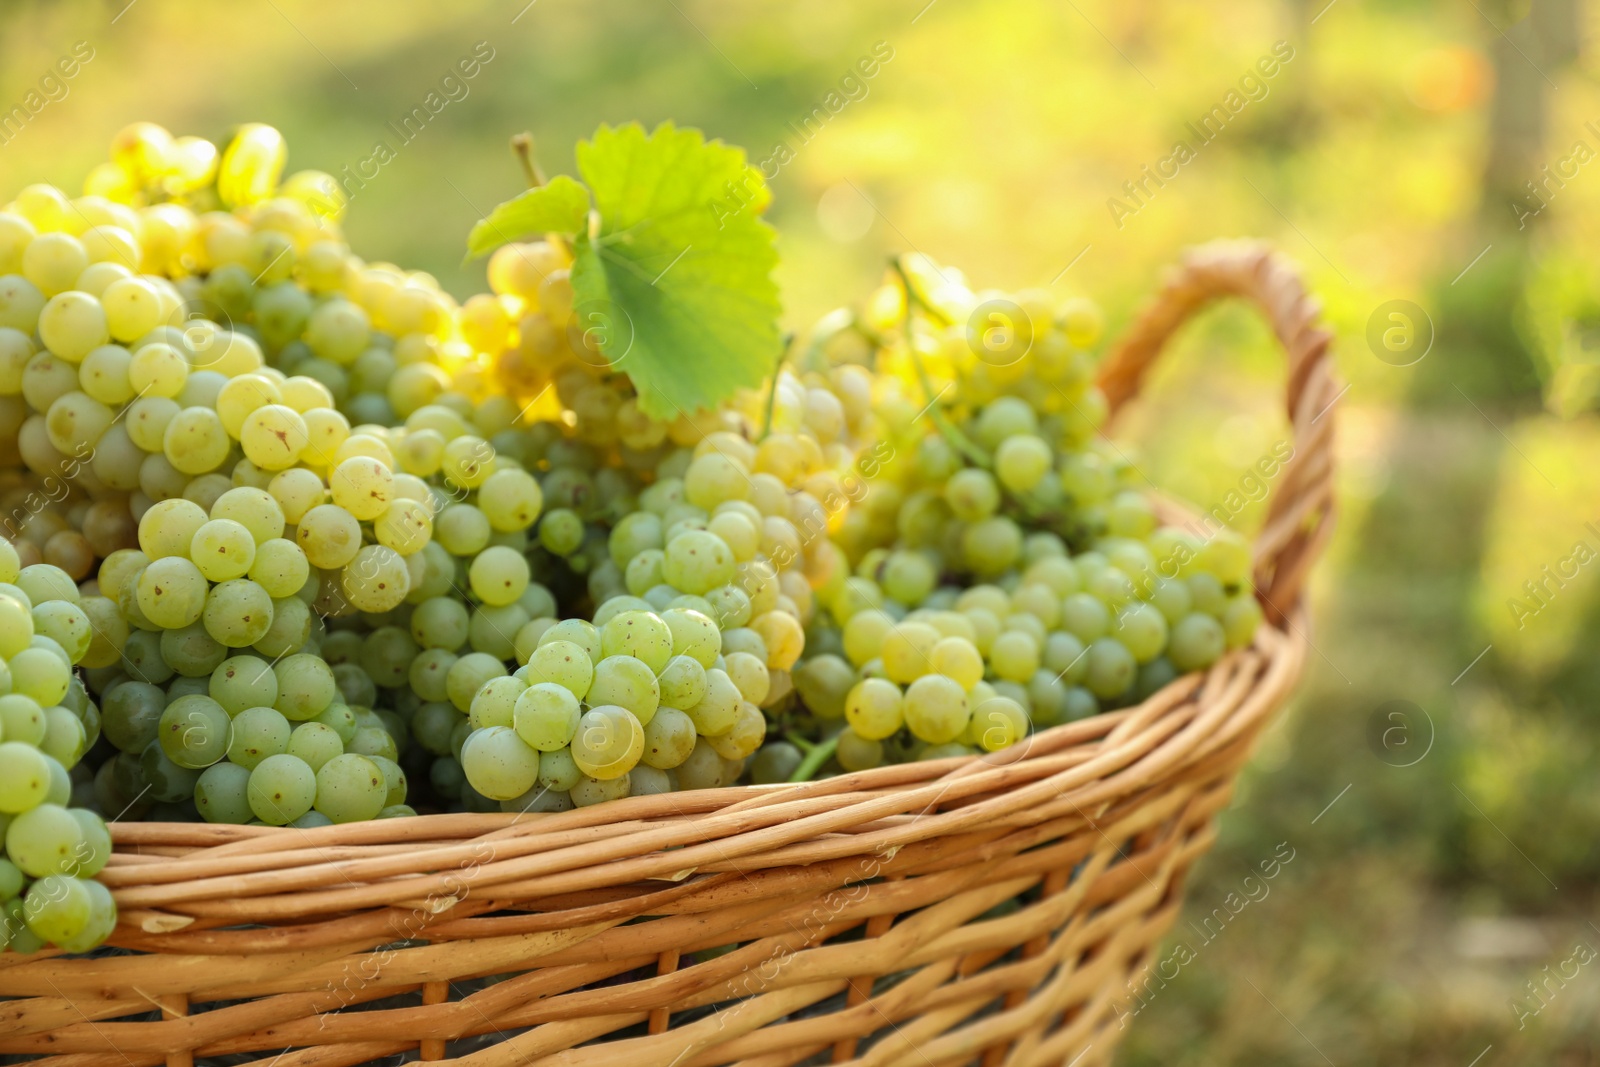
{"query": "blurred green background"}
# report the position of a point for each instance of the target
(1386, 154)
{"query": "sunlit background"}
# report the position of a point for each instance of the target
(1388, 153)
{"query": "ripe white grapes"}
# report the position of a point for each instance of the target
(295, 539)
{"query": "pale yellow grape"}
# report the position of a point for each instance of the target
(207, 489)
(326, 430)
(297, 491)
(1040, 601)
(133, 307)
(75, 422)
(46, 378)
(936, 709)
(303, 393)
(110, 244)
(45, 206)
(43, 581)
(254, 509)
(518, 269)
(34, 447)
(117, 459)
(421, 452)
(694, 634)
(864, 633)
(103, 374)
(498, 575)
(20, 303)
(167, 232)
(608, 743)
(238, 613)
(405, 526)
(223, 549)
(160, 480)
(72, 325)
(997, 723)
(713, 478)
(410, 487)
(192, 163)
(952, 624)
(241, 396)
(228, 354)
(97, 278)
(510, 499)
(195, 441)
(468, 461)
(116, 570)
(146, 420)
(414, 386)
(16, 622)
(280, 567)
(362, 486)
(168, 528)
(172, 592)
(225, 239)
(251, 165)
(16, 233)
(376, 580)
(201, 389)
(321, 267)
(744, 737)
(90, 210)
(16, 349)
(698, 561)
(364, 444)
(785, 638)
(273, 437)
(158, 369)
(906, 651)
(485, 324)
(329, 536)
(738, 532)
(718, 710)
(462, 529)
(957, 658)
(1014, 656)
(338, 331)
(108, 632)
(53, 261)
(750, 674)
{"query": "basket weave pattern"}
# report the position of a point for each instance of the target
(968, 910)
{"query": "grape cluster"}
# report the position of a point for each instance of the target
(1004, 569)
(217, 510)
(52, 847)
(295, 539)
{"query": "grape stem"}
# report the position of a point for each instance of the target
(958, 440)
(772, 390)
(816, 756)
(522, 145)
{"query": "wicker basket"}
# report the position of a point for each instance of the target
(972, 909)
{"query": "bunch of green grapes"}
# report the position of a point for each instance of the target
(291, 531)
(636, 702)
(730, 535)
(52, 845)
(228, 503)
(1002, 570)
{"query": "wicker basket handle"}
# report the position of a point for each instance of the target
(1300, 511)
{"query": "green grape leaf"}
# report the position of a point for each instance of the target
(676, 287)
(558, 206)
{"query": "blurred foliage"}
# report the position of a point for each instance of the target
(1384, 156)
